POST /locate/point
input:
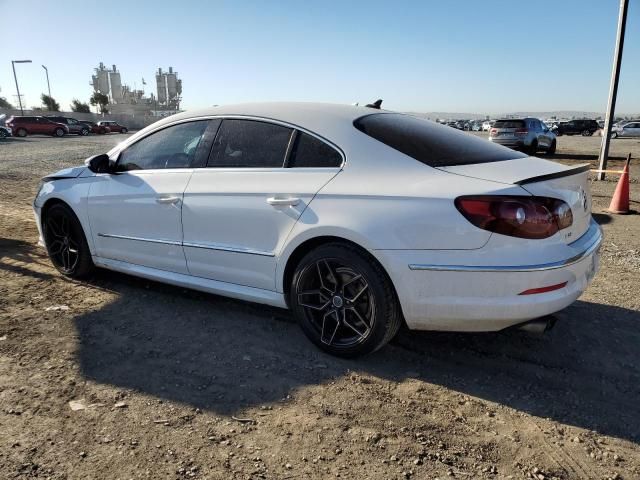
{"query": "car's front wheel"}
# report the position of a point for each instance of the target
(586, 133)
(614, 134)
(344, 301)
(123, 130)
(58, 132)
(65, 241)
(84, 132)
(21, 132)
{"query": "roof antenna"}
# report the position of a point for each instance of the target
(377, 104)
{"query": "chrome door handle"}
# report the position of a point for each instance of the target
(168, 199)
(278, 202)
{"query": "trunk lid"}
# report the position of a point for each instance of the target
(544, 179)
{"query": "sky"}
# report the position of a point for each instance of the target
(489, 56)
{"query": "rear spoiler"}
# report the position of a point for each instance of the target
(550, 176)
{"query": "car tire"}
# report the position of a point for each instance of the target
(58, 132)
(586, 133)
(21, 132)
(3, 134)
(344, 301)
(84, 132)
(533, 148)
(552, 148)
(614, 134)
(123, 130)
(65, 242)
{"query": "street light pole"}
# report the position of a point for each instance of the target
(13, 65)
(613, 89)
(48, 86)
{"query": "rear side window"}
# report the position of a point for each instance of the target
(509, 124)
(432, 144)
(309, 152)
(249, 144)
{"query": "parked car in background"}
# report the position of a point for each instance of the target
(528, 134)
(75, 126)
(585, 128)
(23, 126)
(95, 128)
(113, 126)
(629, 129)
(487, 124)
(481, 238)
(5, 132)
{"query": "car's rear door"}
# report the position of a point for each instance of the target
(240, 208)
(135, 213)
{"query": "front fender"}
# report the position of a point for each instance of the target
(72, 191)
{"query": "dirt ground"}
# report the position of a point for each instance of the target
(118, 378)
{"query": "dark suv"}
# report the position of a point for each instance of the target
(586, 128)
(23, 126)
(74, 125)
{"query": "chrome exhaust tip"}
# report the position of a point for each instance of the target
(539, 326)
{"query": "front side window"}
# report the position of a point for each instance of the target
(432, 144)
(249, 144)
(171, 147)
(309, 152)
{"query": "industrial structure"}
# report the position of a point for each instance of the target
(124, 99)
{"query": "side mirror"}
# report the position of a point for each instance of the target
(99, 163)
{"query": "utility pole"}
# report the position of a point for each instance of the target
(13, 65)
(48, 86)
(613, 89)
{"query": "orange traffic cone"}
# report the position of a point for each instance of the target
(620, 200)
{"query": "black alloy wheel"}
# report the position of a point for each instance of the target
(344, 301)
(65, 241)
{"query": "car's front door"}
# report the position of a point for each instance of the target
(135, 213)
(632, 130)
(239, 210)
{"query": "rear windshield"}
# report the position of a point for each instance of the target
(509, 124)
(432, 144)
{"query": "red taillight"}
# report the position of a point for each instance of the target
(550, 288)
(516, 216)
(493, 132)
(521, 132)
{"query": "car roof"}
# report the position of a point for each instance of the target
(325, 119)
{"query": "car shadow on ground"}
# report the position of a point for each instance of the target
(225, 355)
(18, 256)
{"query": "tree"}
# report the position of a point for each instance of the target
(50, 103)
(78, 106)
(4, 103)
(100, 100)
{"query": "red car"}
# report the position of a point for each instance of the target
(114, 126)
(95, 128)
(23, 126)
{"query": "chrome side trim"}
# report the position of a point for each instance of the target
(226, 248)
(209, 246)
(589, 243)
(140, 239)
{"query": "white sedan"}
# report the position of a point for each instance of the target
(356, 219)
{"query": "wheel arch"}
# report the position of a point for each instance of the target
(84, 223)
(307, 245)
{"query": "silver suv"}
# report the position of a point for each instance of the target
(528, 134)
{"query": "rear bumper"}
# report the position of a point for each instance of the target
(512, 143)
(475, 296)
